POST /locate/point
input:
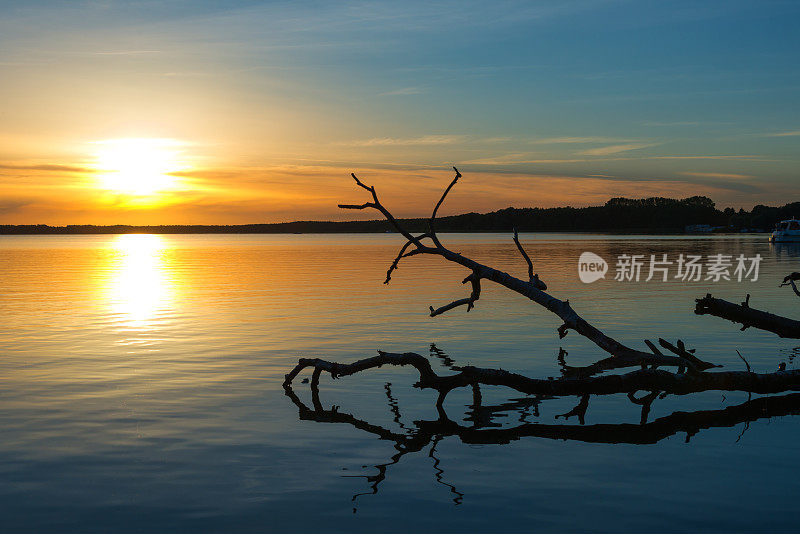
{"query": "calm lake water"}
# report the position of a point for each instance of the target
(140, 389)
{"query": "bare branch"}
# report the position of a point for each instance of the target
(789, 280)
(745, 361)
(747, 316)
(450, 306)
(431, 228)
(402, 254)
(376, 204)
(533, 278)
(531, 290)
(357, 206)
(475, 279)
(653, 347)
(693, 362)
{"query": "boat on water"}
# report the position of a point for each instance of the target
(786, 232)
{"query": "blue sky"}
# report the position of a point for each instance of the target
(619, 97)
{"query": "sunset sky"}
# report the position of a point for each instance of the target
(208, 112)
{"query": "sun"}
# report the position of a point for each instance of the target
(138, 166)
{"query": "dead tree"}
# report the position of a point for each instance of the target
(533, 288)
(579, 381)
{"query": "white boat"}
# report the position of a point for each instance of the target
(786, 232)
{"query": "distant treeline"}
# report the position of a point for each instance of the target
(652, 215)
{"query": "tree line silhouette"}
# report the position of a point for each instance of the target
(649, 215)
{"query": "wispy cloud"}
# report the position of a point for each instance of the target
(615, 149)
(576, 140)
(718, 156)
(424, 140)
(732, 176)
(46, 168)
(126, 52)
(520, 158)
(678, 123)
(404, 91)
(783, 134)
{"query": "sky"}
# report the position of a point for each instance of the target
(204, 112)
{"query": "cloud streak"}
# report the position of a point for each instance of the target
(794, 133)
(48, 168)
(576, 140)
(615, 149)
(425, 140)
(723, 175)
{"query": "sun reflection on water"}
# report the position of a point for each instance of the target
(140, 288)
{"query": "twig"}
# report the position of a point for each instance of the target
(579, 410)
(431, 228)
(533, 278)
(745, 361)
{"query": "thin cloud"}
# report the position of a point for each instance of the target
(783, 134)
(732, 176)
(126, 52)
(425, 140)
(710, 157)
(47, 168)
(576, 140)
(615, 149)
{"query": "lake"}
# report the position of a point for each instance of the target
(140, 389)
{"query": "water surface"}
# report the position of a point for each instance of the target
(140, 389)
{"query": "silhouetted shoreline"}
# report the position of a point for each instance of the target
(619, 215)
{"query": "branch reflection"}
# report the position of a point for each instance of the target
(484, 429)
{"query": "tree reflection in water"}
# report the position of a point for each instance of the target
(483, 429)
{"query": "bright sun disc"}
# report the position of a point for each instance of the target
(138, 166)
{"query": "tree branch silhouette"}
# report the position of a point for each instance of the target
(747, 316)
(533, 288)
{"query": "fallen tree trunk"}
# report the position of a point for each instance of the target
(747, 316)
(640, 380)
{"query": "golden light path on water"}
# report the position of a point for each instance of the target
(139, 288)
